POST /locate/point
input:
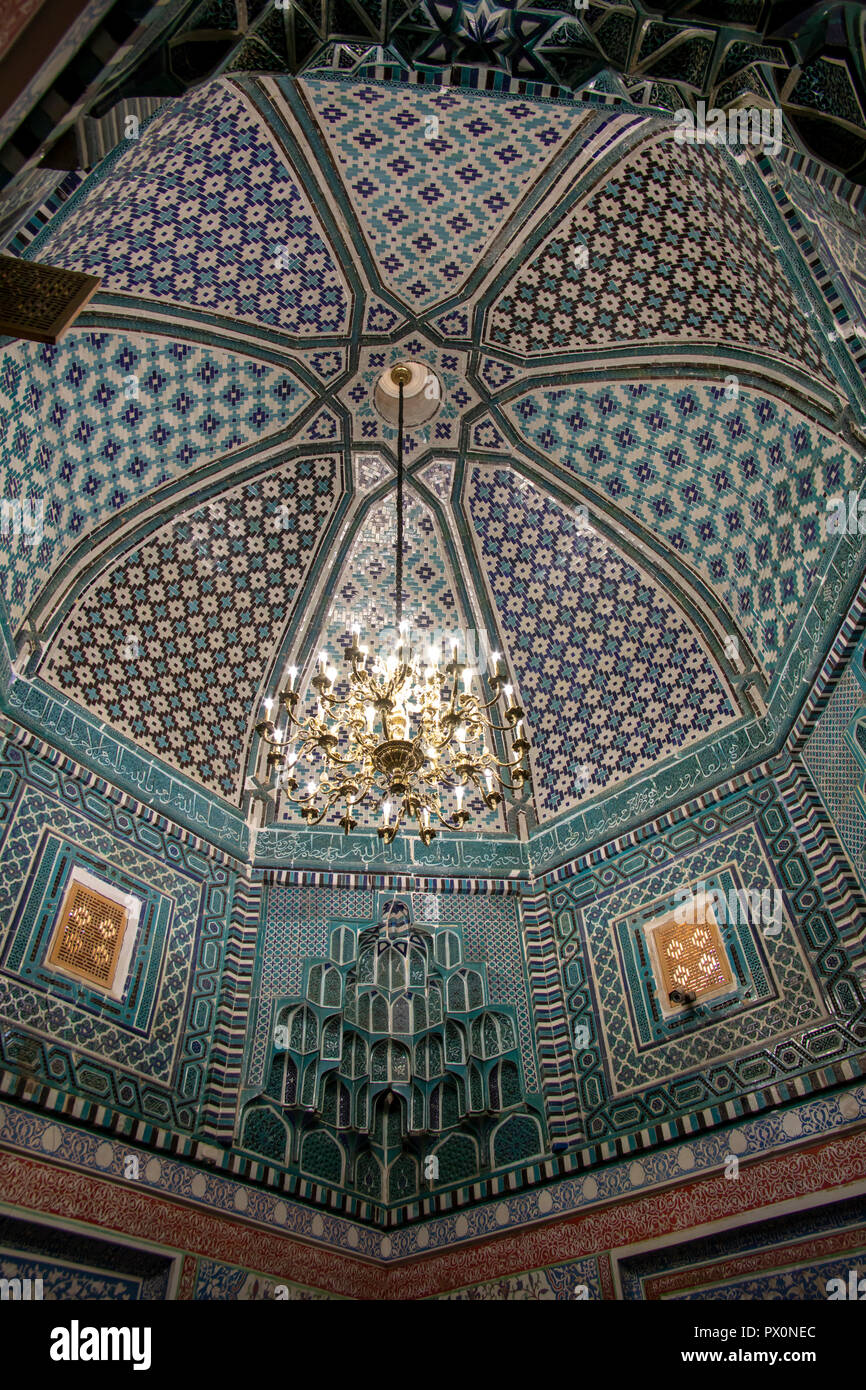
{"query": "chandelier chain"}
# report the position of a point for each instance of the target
(399, 564)
(409, 735)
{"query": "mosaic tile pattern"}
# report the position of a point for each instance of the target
(371, 470)
(674, 252)
(487, 436)
(150, 1054)
(812, 1014)
(103, 419)
(791, 1005)
(76, 1025)
(836, 770)
(380, 317)
(496, 374)
(493, 932)
(324, 428)
(738, 488)
(839, 236)
(439, 477)
(203, 601)
(201, 212)
(473, 1058)
(327, 363)
(610, 674)
(364, 591)
(429, 204)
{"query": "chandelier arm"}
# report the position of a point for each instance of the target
(508, 766)
(515, 787)
(487, 704)
(299, 724)
(442, 819)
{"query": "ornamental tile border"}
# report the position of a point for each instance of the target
(773, 1140)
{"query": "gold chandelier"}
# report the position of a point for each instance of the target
(402, 734)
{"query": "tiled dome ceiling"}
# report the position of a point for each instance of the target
(220, 485)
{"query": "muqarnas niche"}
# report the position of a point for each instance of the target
(392, 1075)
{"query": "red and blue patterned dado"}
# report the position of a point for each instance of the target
(626, 329)
(155, 1225)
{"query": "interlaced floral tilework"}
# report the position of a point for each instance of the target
(200, 211)
(738, 487)
(674, 252)
(105, 418)
(430, 199)
(73, 1266)
(611, 675)
(535, 1285)
(789, 1257)
(203, 603)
